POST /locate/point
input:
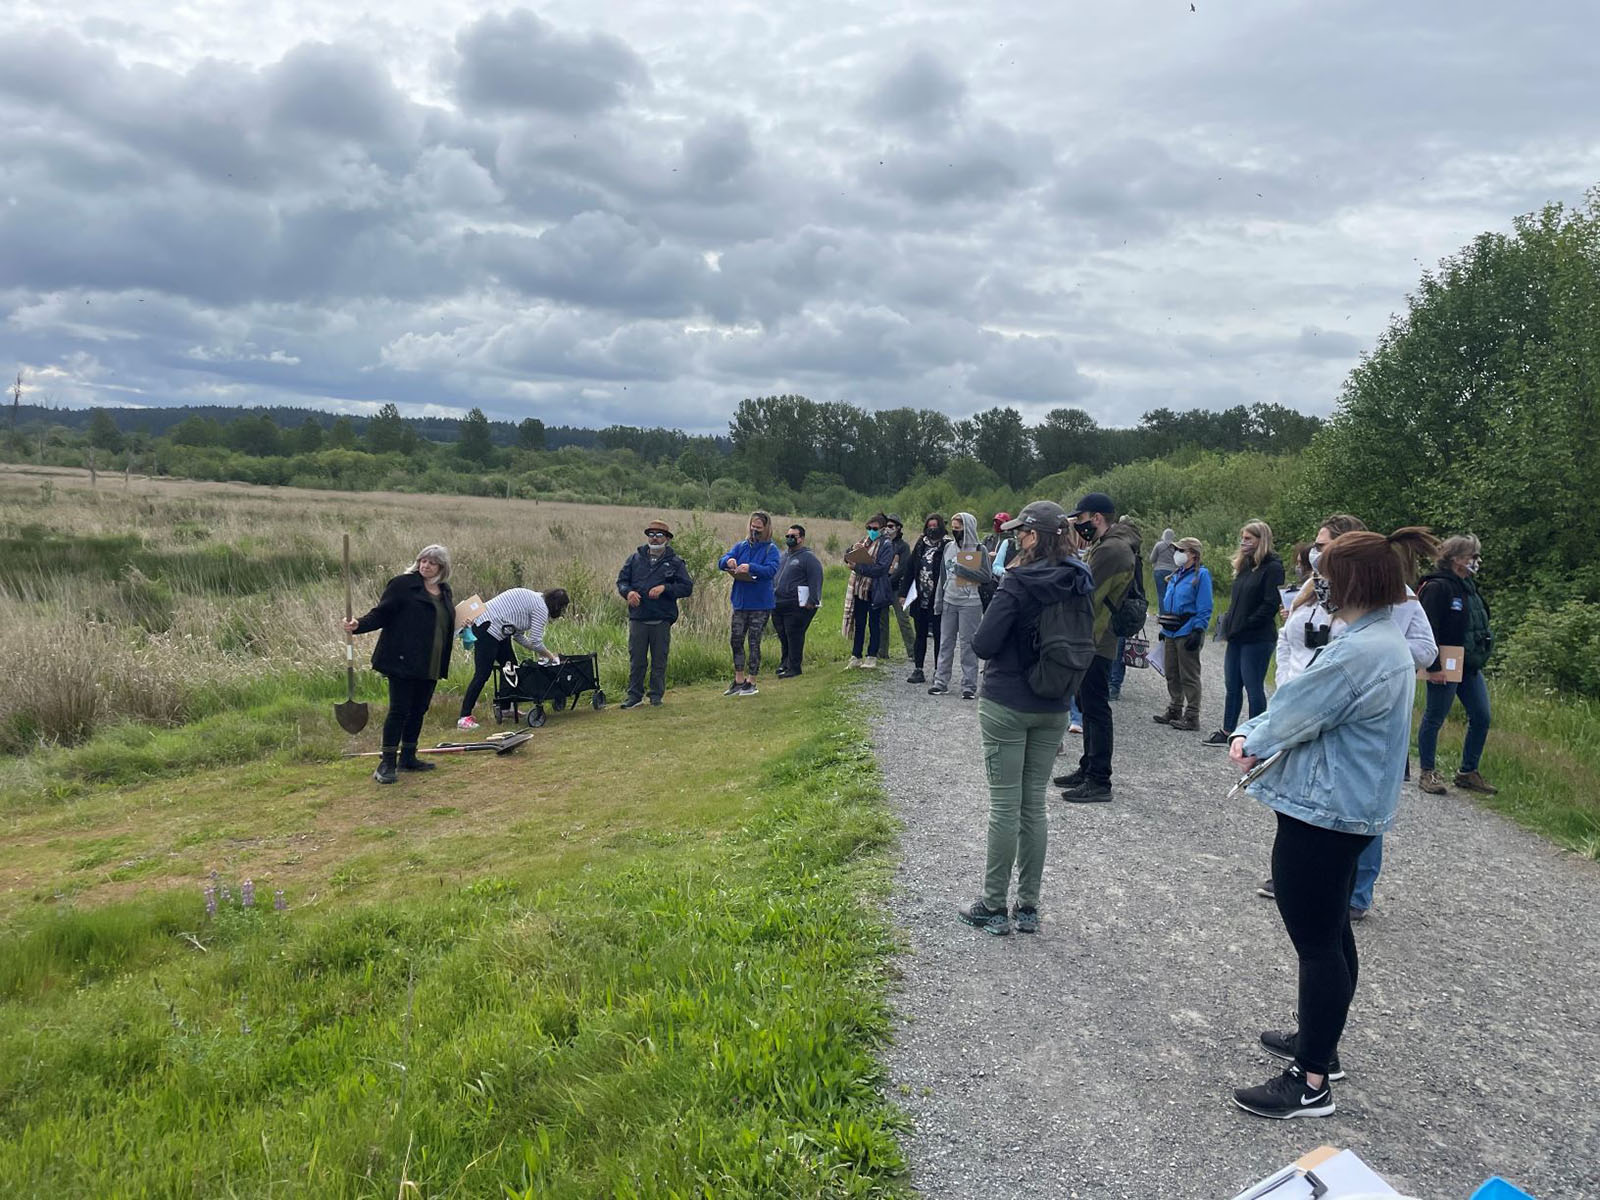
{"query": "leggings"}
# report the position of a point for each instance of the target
(1313, 873)
(748, 625)
(408, 704)
(927, 626)
(1244, 669)
(488, 652)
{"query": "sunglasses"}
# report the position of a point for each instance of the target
(654, 533)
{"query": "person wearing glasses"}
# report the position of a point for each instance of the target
(1460, 617)
(652, 581)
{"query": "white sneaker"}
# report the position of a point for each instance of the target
(467, 722)
(869, 664)
(853, 663)
(1074, 728)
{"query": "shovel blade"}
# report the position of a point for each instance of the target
(351, 715)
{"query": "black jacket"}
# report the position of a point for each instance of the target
(1005, 638)
(911, 570)
(1252, 614)
(410, 621)
(641, 573)
(1447, 599)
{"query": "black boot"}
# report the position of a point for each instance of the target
(409, 760)
(385, 772)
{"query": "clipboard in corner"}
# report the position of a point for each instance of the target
(972, 560)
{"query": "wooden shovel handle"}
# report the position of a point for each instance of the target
(349, 603)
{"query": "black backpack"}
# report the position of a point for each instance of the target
(1063, 645)
(1128, 618)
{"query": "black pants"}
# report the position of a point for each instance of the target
(1094, 701)
(1313, 873)
(488, 653)
(652, 640)
(408, 704)
(874, 622)
(927, 626)
(791, 622)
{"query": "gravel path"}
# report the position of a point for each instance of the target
(1098, 1058)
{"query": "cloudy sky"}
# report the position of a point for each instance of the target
(641, 212)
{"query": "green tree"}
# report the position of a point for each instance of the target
(196, 431)
(257, 436)
(1067, 437)
(386, 432)
(103, 431)
(530, 434)
(1000, 441)
(474, 444)
(308, 438)
(342, 435)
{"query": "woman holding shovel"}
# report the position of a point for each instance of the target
(417, 617)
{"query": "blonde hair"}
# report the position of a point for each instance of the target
(1455, 549)
(436, 554)
(1262, 532)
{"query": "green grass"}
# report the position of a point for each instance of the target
(669, 990)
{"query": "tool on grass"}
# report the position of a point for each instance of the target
(500, 743)
(351, 714)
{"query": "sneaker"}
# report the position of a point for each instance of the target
(968, 693)
(981, 916)
(1090, 791)
(1431, 782)
(1219, 738)
(655, 701)
(631, 702)
(1267, 890)
(1287, 1096)
(749, 688)
(1283, 1043)
(1471, 781)
(1026, 917)
(1075, 728)
(1071, 780)
(1115, 694)
(869, 663)
(467, 722)
(916, 677)
(734, 688)
(852, 664)
(781, 673)
(938, 689)
(1358, 914)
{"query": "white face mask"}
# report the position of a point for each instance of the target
(1181, 559)
(1473, 566)
(1314, 556)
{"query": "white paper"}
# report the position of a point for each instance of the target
(804, 595)
(1345, 1175)
(911, 594)
(1156, 656)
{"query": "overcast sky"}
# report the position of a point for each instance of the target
(641, 212)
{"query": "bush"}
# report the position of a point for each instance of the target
(1557, 651)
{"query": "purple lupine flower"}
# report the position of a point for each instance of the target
(278, 902)
(211, 902)
(247, 893)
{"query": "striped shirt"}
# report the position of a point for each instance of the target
(520, 612)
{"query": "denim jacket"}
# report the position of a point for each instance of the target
(1345, 722)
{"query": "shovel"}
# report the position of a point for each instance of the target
(351, 715)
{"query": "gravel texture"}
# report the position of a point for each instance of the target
(1098, 1058)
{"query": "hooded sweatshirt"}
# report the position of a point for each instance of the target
(1005, 639)
(1113, 557)
(955, 587)
(1161, 553)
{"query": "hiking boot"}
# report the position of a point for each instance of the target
(1090, 791)
(981, 916)
(1219, 738)
(1071, 780)
(852, 664)
(410, 762)
(631, 702)
(1168, 717)
(734, 688)
(1026, 917)
(1187, 724)
(1289, 1095)
(1431, 782)
(1268, 890)
(917, 677)
(869, 663)
(467, 722)
(749, 688)
(386, 766)
(938, 689)
(1471, 781)
(1284, 1043)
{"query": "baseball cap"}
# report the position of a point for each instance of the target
(1095, 502)
(1044, 515)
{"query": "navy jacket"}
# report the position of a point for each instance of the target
(881, 571)
(641, 573)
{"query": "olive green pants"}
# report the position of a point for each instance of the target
(1019, 752)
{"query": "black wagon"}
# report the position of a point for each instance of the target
(540, 686)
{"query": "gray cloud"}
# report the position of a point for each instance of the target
(922, 92)
(516, 61)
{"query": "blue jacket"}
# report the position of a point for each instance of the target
(1188, 591)
(1345, 722)
(762, 558)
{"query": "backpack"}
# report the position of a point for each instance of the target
(1063, 644)
(1128, 618)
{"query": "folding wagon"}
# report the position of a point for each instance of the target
(540, 685)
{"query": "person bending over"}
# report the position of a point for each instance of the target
(517, 613)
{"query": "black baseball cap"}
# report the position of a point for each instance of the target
(1095, 502)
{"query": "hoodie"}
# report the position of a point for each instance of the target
(753, 594)
(1113, 558)
(957, 586)
(1005, 639)
(1161, 553)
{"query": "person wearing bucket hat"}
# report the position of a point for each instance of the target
(652, 581)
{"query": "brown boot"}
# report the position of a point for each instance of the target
(1431, 782)
(1168, 717)
(1471, 781)
(1189, 723)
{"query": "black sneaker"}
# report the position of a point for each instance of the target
(1358, 914)
(938, 689)
(1266, 889)
(916, 677)
(1283, 1043)
(968, 694)
(781, 673)
(1286, 1096)
(981, 916)
(749, 688)
(631, 702)
(655, 701)
(734, 688)
(1219, 738)
(1090, 791)
(1027, 918)
(1115, 694)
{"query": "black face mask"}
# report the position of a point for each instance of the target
(934, 532)
(1086, 530)
(790, 540)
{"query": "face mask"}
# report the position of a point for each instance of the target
(1473, 566)
(1319, 588)
(790, 540)
(934, 532)
(1181, 559)
(1314, 556)
(755, 533)
(1086, 530)
(956, 532)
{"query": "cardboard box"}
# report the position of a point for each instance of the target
(1454, 660)
(469, 612)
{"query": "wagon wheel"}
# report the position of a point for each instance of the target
(536, 716)
(598, 700)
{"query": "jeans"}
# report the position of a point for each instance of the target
(877, 624)
(1094, 698)
(1474, 695)
(791, 621)
(1313, 872)
(1244, 669)
(1074, 713)
(1161, 586)
(927, 626)
(1367, 868)
(1119, 668)
(488, 652)
(648, 640)
(748, 624)
(408, 705)
(1019, 752)
(958, 624)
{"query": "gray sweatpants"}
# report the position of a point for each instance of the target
(959, 623)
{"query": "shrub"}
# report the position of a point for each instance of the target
(1556, 651)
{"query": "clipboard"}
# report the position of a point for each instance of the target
(1254, 773)
(862, 553)
(972, 560)
(1453, 661)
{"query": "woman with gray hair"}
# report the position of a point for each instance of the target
(417, 616)
(1460, 618)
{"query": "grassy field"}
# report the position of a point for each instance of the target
(644, 956)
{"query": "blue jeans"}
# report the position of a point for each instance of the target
(1161, 586)
(1119, 669)
(1244, 669)
(1367, 868)
(1474, 694)
(1074, 714)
